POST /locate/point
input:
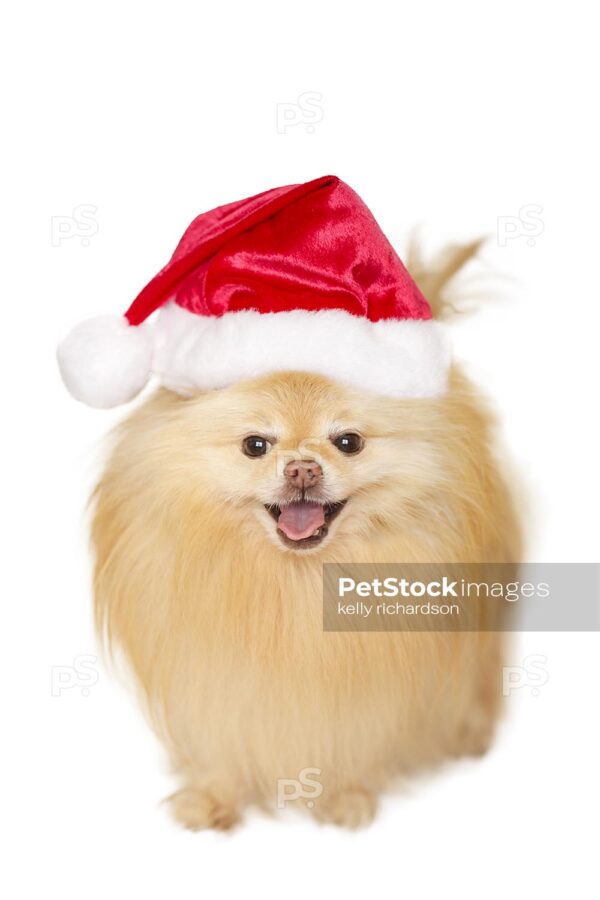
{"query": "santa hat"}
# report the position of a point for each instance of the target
(299, 278)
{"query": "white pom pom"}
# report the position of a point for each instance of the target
(105, 361)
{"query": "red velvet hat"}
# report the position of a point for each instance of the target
(299, 278)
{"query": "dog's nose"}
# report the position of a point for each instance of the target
(303, 473)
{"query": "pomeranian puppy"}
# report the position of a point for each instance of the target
(212, 522)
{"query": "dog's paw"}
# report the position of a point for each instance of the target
(197, 809)
(350, 809)
(475, 735)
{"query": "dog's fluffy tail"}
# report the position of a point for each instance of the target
(435, 277)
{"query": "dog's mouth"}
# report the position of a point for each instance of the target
(304, 523)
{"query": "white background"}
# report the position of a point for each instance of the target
(448, 115)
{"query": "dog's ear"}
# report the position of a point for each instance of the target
(434, 278)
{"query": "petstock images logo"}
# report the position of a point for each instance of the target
(461, 597)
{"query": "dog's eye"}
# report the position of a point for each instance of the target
(349, 442)
(255, 445)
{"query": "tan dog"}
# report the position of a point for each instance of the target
(213, 519)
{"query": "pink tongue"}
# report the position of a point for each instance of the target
(299, 520)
